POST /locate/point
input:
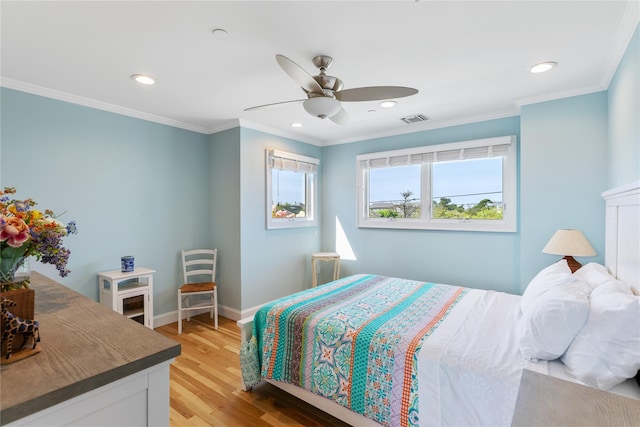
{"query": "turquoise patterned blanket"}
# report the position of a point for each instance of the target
(354, 341)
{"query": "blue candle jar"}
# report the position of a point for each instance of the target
(126, 263)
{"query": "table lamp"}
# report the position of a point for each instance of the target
(569, 243)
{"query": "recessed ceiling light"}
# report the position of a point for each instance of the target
(143, 78)
(542, 67)
(296, 125)
(219, 33)
(387, 104)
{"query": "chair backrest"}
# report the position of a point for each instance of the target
(199, 265)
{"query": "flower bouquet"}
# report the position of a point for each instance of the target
(25, 232)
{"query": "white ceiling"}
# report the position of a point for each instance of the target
(469, 59)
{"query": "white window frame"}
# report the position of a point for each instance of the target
(282, 160)
(426, 156)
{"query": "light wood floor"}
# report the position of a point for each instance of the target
(205, 384)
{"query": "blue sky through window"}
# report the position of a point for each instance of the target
(388, 184)
(464, 182)
(288, 187)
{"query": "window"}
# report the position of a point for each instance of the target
(291, 190)
(468, 185)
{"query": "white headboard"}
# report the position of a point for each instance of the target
(622, 233)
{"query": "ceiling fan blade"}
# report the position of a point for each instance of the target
(341, 117)
(374, 93)
(298, 74)
(274, 104)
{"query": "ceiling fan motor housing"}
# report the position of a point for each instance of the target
(327, 82)
(330, 83)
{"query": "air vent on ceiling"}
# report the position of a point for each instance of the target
(415, 118)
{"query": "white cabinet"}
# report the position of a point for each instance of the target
(138, 400)
(130, 294)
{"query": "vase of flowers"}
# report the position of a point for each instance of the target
(28, 232)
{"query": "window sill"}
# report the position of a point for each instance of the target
(503, 226)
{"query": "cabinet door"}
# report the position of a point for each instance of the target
(139, 400)
(135, 306)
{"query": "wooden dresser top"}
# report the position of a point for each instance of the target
(84, 345)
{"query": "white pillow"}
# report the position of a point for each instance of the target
(551, 321)
(607, 350)
(547, 278)
(596, 274)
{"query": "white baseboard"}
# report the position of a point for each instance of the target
(172, 316)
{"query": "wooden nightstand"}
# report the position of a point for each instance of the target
(544, 400)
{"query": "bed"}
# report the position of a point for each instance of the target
(374, 350)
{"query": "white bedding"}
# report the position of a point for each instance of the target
(470, 375)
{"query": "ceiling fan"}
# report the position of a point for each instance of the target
(325, 94)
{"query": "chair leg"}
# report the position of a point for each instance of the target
(213, 303)
(215, 306)
(179, 312)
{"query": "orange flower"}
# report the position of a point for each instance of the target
(14, 231)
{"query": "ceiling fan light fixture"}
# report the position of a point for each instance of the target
(321, 106)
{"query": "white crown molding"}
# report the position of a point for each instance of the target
(278, 132)
(412, 128)
(229, 124)
(628, 24)
(557, 95)
(92, 103)
(429, 125)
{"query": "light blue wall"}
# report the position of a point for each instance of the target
(481, 260)
(624, 118)
(256, 265)
(134, 187)
(275, 263)
(225, 214)
(563, 171)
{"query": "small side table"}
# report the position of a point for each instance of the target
(130, 294)
(324, 256)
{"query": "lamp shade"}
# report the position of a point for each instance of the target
(321, 106)
(569, 242)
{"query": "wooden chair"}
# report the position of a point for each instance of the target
(199, 273)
